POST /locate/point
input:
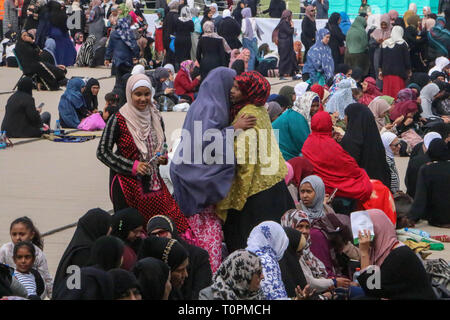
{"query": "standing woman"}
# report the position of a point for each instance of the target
(96, 24)
(287, 64)
(319, 63)
(309, 29)
(195, 36)
(250, 30)
(230, 30)
(159, 45)
(377, 37)
(337, 38)
(169, 27)
(134, 177)
(395, 64)
(345, 23)
(183, 28)
(237, 13)
(357, 42)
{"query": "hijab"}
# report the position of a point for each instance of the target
(287, 92)
(25, 85)
(170, 251)
(428, 24)
(126, 34)
(303, 105)
(89, 98)
(302, 168)
(91, 226)
(50, 47)
(430, 136)
(337, 78)
(309, 12)
(73, 92)
(300, 89)
(380, 33)
(320, 56)
(152, 275)
(86, 53)
(106, 253)
(378, 108)
(356, 39)
(387, 138)
(196, 186)
(173, 5)
(123, 281)
(341, 98)
(292, 218)
(396, 38)
(124, 221)
(440, 64)
(246, 15)
(393, 15)
(269, 242)
(438, 150)
(185, 14)
(403, 108)
(316, 211)
(406, 94)
(427, 95)
(232, 279)
(139, 68)
(208, 31)
(141, 123)
(226, 13)
(345, 22)
(274, 110)
(187, 67)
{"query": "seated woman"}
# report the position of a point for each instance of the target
(431, 200)
(392, 147)
(72, 107)
(158, 78)
(28, 54)
(370, 91)
(22, 119)
(153, 276)
(293, 125)
(332, 163)
(380, 109)
(405, 115)
(184, 85)
(90, 94)
(383, 257)
(342, 97)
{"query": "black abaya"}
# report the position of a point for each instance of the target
(169, 28)
(210, 54)
(337, 38)
(183, 42)
(287, 64)
(308, 36)
(230, 30)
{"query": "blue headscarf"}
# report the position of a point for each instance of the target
(50, 47)
(125, 33)
(320, 59)
(71, 100)
(345, 23)
(196, 186)
(341, 98)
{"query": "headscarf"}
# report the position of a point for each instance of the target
(173, 5)
(292, 219)
(255, 90)
(161, 73)
(303, 105)
(302, 168)
(91, 226)
(50, 47)
(106, 253)
(341, 98)
(316, 211)
(378, 108)
(317, 88)
(381, 33)
(345, 22)
(73, 92)
(226, 13)
(440, 64)
(123, 281)
(406, 95)
(356, 39)
(208, 31)
(332, 164)
(438, 150)
(421, 78)
(337, 78)
(161, 13)
(246, 15)
(436, 74)
(300, 89)
(413, 8)
(387, 138)
(152, 275)
(413, 21)
(430, 136)
(86, 53)
(232, 280)
(428, 24)
(170, 67)
(141, 123)
(196, 186)
(187, 67)
(269, 242)
(320, 57)
(138, 69)
(396, 38)
(126, 34)
(274, 110)
(124, 221)
(427, 95)
(185, 14)
(58, 16)
(371, 92)
(309, 13)
(393, 15)
(25, 85)
(89, 98)
(170, 251)
(402, 109)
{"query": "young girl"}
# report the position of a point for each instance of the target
(23, 229)
(24, 255)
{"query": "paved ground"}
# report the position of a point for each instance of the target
(56, 183)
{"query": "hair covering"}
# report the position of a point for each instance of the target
(71, 101)
(371, 91)
(246, 15)
(320, 58)
(50, 47)
(402, 109)
(430, 136)
(438, 150)
(292, 218)
(332, 164)
(91, 226)
(373, 22)
(341, 98)
(123, 281)
(208, 31)
(428, 24)
(437, 74)
(106, 253)
(138, 69)
(25, 85)
(337, 78)
(90, 99)
(303, 105)
(356, 39)
(185, 14)
(421, 78)
(269, 242)
(170, 251)
(379, 108)
(380, 33)
(170, 67)
(287, 92)
(300, 89)
(152, 275)
(406, 95)
(427, 95)
(317, 88)
(173, 5)
(124, 221)
(126, 34)
(396, 38)
(302, 168)
(254, 88)
(274, 110)
(387, 138)
(196, 186)
(141, 123)
(345, 22)
(440, 64)
(316, 211)
(232, 279)
(393, 15)
(226, 13)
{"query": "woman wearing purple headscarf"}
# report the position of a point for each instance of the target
(202, 174)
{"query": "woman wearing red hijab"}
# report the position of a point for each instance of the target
(370, 91)
(317, 88)
(332, 163)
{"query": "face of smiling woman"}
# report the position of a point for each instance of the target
(141, 98)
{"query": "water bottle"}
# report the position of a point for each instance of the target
(165, 104)
(2, 139)
(356, 275)
(57, 131)
(421, 233)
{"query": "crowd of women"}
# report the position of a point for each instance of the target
(252, 217)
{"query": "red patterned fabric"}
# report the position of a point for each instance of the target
(148, 204)
(254, 87)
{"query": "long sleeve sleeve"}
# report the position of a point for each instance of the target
(320, 284)
(110, 49)
(32, 114)
(105, 152)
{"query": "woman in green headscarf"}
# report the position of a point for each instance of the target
(289, 93)
(357, 43)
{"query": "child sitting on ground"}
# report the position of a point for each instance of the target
(24, 255)
(23, 229)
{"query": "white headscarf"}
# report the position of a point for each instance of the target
(300, 89)
(216, 14)
(440, 64)
(138, 69)
(430, 136)
(387, 138)
(226, 13)
(396, 38)
(427, 95)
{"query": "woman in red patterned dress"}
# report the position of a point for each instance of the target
(134, 177)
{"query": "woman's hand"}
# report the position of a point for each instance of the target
(169, 90)
(398, 120)
(343, 282)
(143, 168)
(408, 121)
(304, 294)
(163, 160)
(107, 62)
(245, 122)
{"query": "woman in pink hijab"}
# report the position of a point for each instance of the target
(393, 15)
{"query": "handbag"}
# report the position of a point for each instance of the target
(275, 36)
